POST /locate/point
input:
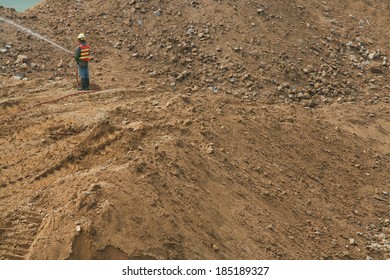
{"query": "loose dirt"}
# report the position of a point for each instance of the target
(214, 130)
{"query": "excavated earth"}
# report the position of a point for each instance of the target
(213, 130)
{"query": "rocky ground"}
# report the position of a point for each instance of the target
(214, 130)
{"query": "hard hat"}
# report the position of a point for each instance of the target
(81, 36)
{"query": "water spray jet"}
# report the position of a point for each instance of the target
(29, 31)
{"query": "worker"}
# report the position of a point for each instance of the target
(82, 55)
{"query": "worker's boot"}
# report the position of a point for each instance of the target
(87, 84)
(83, 84)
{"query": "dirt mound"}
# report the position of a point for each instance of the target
(216, 130)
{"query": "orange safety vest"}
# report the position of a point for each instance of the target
(85, 52)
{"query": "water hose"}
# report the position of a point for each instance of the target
(77, 76)
(41, 103)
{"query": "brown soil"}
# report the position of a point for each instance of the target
(215, 130)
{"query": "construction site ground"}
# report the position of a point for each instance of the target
(212, 130)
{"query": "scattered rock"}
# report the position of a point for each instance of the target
(376, 69)
(157, 13)
(210, 150)
(18, 77)
(95, 187)
(21, 59)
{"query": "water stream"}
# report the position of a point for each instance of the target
(18, 26)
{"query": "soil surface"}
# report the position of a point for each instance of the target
(213, 130)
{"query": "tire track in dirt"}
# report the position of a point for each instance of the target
(100, 137)
(18, 232)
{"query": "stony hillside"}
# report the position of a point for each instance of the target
(215, 130)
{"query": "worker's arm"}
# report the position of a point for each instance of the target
(77, 53)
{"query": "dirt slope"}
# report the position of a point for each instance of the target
(215, 130)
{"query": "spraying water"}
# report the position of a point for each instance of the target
(18, 26)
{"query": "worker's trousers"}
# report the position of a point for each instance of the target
(83, 71)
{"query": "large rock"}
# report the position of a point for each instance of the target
(21, 59)
(376, 68)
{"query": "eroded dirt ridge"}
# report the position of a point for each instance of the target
(18, 232)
